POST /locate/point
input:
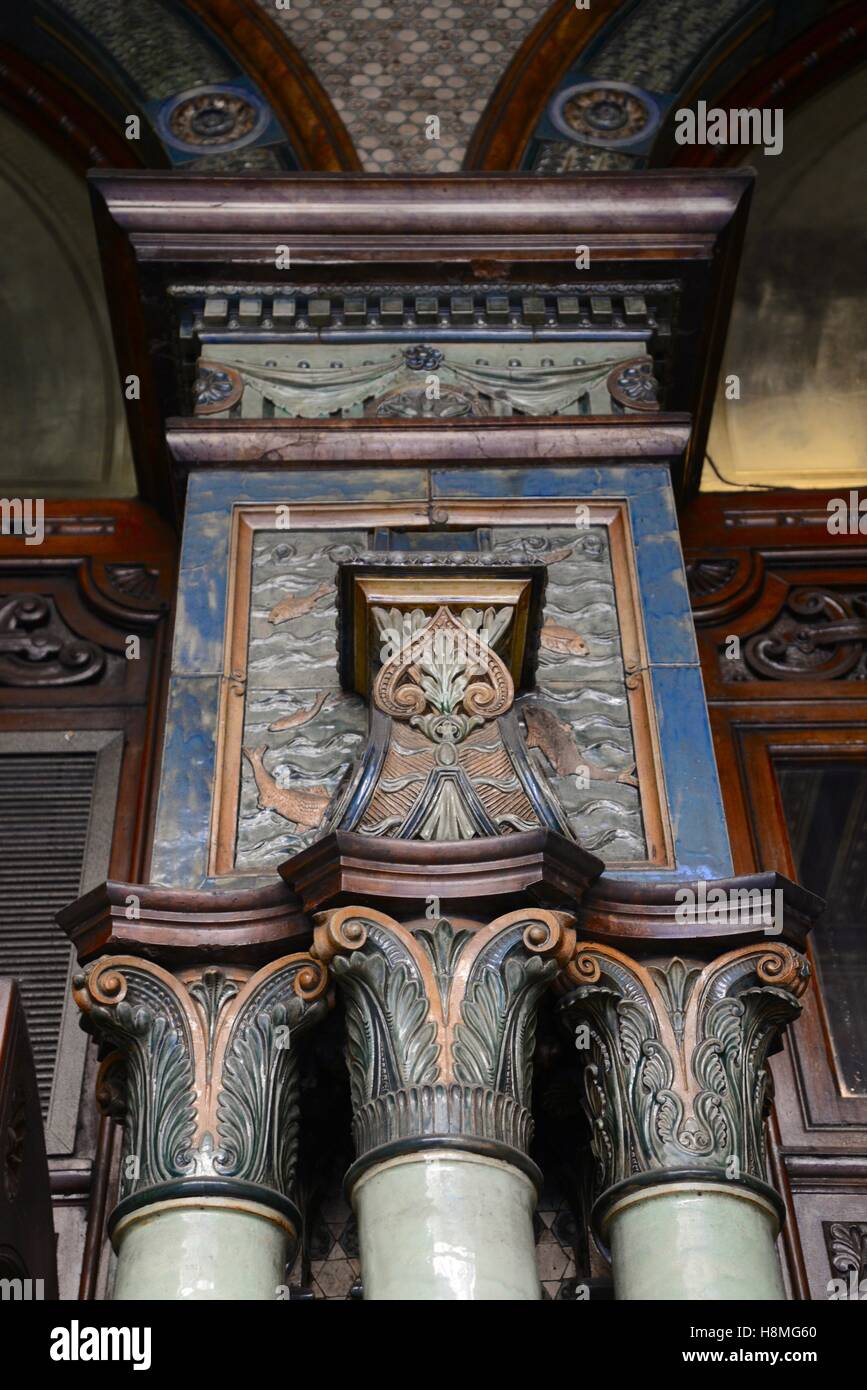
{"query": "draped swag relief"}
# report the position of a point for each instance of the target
(407, 383)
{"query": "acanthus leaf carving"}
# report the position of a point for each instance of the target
(436, 1014)
(448, 667)
(204, 1071)
(676, 1072)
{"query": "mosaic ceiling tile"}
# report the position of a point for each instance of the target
(388, 68)
(208, 115)
(655, 46)
(160, 51)
(658, 41)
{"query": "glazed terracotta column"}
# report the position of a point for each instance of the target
(201, 1066)
(440, 1026)
(674, 1048)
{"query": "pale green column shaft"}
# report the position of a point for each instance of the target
(694, 1242)
(196, 1249)
(443, 1225)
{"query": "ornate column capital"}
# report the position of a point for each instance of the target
(204, 1071)
(441, 1025)
(675, 1055)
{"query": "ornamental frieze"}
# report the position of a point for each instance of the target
(481, 378)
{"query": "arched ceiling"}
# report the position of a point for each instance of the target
(330, 85)
(389, 64)
(224, 85)
(216, 84)
(599, 88)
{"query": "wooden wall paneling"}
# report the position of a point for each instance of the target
(823, 1115)
(766, 594)
(745, 554)
(106, 571)
(833, 1229)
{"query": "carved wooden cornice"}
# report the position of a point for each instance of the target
(197, 443)
(521, 214)
(654, 916)
(243, 926)
(343, 867)
(513, 236)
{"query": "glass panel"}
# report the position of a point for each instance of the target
(825, 805)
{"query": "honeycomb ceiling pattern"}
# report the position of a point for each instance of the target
(388, 67)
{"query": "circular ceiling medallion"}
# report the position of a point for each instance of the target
(211, 119)
(611, 114)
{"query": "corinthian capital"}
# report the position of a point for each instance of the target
(441, 1025)
(206, 1066)
(675, 1057)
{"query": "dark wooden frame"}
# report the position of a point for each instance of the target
(818, 1137)
(82, 541)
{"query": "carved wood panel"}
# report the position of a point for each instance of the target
(70, 676)
(801, 625)
(788, 696)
